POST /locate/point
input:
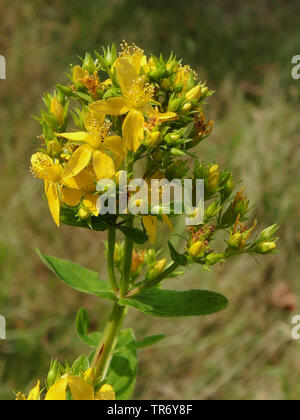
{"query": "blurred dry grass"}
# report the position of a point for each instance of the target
(245, 352)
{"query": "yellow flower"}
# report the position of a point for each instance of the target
(135, 100)
(80, 390)
(96, 144)
(43, 167)
(82, 186)
(134, 55)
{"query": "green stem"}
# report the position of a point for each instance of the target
(105, 350)
(125, 282)
(110, 258)
(107, 345)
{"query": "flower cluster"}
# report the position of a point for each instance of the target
(119, 110)
(120, 107)
(69, 383)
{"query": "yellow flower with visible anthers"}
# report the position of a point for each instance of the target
(59, 188)
(107, 152)
(134, 55)
(136, 100)
(43, 167)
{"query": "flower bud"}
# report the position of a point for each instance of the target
(267, 233)
(194, 94)
(165, 84)
(160, 265)
(211, 211)
(84, 214)
(78, 74)
(119, 253)
(213, 178)
(212, 259)
(265, 247)
(54, 148)
(174, 104)
(58, 110)
(89, 64)
(197, 250)
(235, 241)
(153, 139)
(186, 107)
(54, 373)
(228, 188)
(177, 152)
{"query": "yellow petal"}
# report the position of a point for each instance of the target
(76, 136)
(167, 221)
(133, 130)
(112, 106)
(58, 391)
(90, 202)
(126, 75)
(116, 146)
(150, 223)
(106, 392)
(71, 197)
(53, 200)
(93, 117)
(103, 164)
(80, 389)
(79, 160)
(84, 181)
(35, 392)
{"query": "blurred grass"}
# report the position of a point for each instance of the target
(244, 52)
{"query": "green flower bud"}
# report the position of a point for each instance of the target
(212, 259)
(228, 188)
(165, 84)
(235, 241)
(186, 107)
(177, 152)
(174, 104)
(267, 233)
(54, 373)
(211, 211)
(89, 64)
(265, 247)
(54, 148)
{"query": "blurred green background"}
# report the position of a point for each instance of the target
(244, 52)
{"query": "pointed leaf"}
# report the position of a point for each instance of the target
(78, 277)
(171, 303)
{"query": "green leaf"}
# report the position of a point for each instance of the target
(83, 325)
(80, 366)
(148, 341)
(78, 277)
(137, 235)
(176, 257)
(123, 368)
(171, 303)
